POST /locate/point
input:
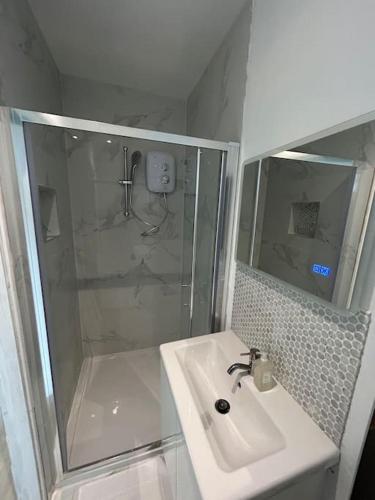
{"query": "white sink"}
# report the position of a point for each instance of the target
(246, 433)
(265, 442)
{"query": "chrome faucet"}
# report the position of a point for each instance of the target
(253, 355)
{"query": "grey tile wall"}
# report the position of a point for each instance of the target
(315, 348)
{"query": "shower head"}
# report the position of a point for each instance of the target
(136, 157)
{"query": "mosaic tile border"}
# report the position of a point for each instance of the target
(316, 349)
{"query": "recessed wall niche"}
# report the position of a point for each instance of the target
(304, 218)
(48, 213)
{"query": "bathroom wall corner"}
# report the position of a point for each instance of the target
(215, 106)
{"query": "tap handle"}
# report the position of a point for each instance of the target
(253, 353)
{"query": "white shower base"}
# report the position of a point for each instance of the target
(116, 407)
(146, 480)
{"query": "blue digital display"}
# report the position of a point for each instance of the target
(322, 270)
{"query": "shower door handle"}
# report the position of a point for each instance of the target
(186, 286)
(126, 182)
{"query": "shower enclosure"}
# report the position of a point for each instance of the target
(124, 243)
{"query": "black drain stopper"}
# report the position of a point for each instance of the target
(222, 406)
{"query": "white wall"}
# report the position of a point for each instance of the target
(310, 67)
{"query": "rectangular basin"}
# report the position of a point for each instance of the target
(246, 433)
(264, 443)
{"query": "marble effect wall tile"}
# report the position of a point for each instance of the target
(316, 349)
(46, 153)
(214, 108)
(125, 318)
(142, 275)
(214, 111)
(281, 251)
(18, 318)
(130, 285)
(84, 98)
(29, 78)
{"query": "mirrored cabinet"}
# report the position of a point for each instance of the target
(304, 213)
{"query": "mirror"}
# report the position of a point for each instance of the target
(304, 213)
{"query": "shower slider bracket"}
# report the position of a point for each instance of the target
(124, 182)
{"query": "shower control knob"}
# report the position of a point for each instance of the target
(160, 172)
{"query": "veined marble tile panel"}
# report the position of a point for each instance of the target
(214, 108)
(29, 78)
(85, 98)
(126, 318)
(129, 283)
(46, 155)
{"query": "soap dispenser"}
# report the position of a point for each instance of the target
(263, 373)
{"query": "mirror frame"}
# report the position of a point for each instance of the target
(280, 152)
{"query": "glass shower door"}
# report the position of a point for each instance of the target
(111, 289)
(111, 293)
(209, 201)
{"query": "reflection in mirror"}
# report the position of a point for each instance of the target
(304, 213)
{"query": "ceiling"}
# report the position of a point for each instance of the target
(159, 46)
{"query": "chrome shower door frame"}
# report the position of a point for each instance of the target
(51, 460)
